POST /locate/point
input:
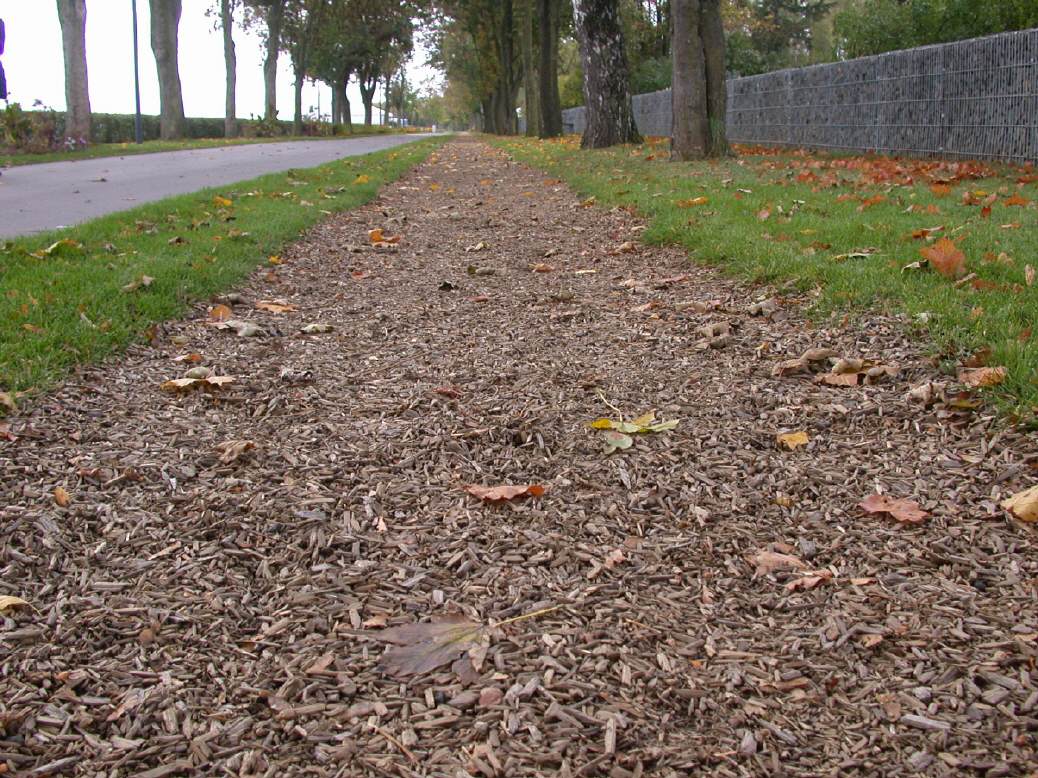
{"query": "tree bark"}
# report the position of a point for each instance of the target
(230, 59)
(165, 21)
(367, 81)
(698, 91)
(336, 110)
(690, 132)
(344, 102)
(297, 115)
(548, 70)
(72, 15)
(712, 33)
(531, 81)
(275, 17)
(607, 91)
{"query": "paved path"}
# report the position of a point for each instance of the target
(34, 198)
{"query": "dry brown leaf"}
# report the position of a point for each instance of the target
(809, 580)
(944, 257)
(839, 379)
(614, 558)
(7, 602)
(982, 376)
(186, 384)
(769, 561)
(192, 358)
(61, 497)
(848, 365)
(790, 367)
(507, 492)
(541, 267)
(1023, 505)
(231, 450)
(220, 312)
(1029, 274)
(420, 648)
(275, 306)
(904, 511)
(793, 440)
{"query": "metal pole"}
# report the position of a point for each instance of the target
(136, 77)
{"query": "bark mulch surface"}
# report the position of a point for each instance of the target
(211, 570)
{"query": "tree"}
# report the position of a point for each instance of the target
(165, 21)
(298, 35)
(230, 59)
(72, 15)
(698, 95)
(548, 69)
(270, 14)
(607, 93)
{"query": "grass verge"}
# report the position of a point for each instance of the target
(98, 150)
(66, 298)
(845, 226)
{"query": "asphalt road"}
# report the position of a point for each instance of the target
(34, 198)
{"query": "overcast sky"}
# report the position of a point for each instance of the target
(33, 62)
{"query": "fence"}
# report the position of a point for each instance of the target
(975, 99)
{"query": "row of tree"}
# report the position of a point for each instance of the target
(332, 41)
(495, 49)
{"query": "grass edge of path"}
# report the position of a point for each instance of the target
(81, 294)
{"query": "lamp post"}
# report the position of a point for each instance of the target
(136, 77)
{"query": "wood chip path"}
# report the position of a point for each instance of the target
(207, 601)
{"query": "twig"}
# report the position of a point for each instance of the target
(533, 615)
(602, 397)
(404, 749)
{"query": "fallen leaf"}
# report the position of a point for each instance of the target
(7, 602)
(613, 558)
(244, 329)
(809, 580)
(61, 497)
(232, 450)
(617, 441)
(793, 440)
(477, 247)
(763, 214)
(138, 283)
(692, 203)
(839, 379)
(982, 376)
(940, 190)
(274, 259)
(222, 202)
(361, 179)
(541, 267)
(186, 384)
(315, 328)
(904, 511)
(507, 492)
(1023, 505)
(944, 256)
(220, 312)
(1029, 274)
(192, 358)
(1017, 199)
(767, 562)
(275, 306)
(627, 247)
(376, 237)
(420, 648)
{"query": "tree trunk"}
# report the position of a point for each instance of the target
(712, 33)
(275, 17)
(505, 103)
(165, 21)
(531, 82)
(698, 93)
(297, 116)
(344, 103)
(336, 110)
(607, 91)
(690, 131)
(72, 15)
(230, 59)
(367, 84)
(548, 71)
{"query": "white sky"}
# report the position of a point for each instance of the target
(34, 66)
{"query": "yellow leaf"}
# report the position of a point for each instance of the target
(274, 259)
(645, 419)
(693, 202)
(222, 202)
(1023, 505)
(793, 440)
(602, 424)
(361, 179)
(62, 497)
(7, 602)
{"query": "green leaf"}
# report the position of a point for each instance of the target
(616, 441)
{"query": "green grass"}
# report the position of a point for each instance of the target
(819, 208)
(98, 150)
(68, 307)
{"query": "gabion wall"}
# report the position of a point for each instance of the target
(974, 99)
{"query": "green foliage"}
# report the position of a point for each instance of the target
(867, 27)
(30, 132)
